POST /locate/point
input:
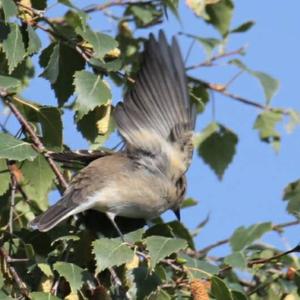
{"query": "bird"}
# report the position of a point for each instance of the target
(156, 121)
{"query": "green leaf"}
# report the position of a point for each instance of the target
(45, 268)
(88, 127)
(10, 9)
(23, 72)
(205, 134)
(144, 14)
(141, 283)
(293, 121)
(43, 296)
(92, 92)
(292, 195)
(51, 71)
(216, 146)
(13, 47)
(243, 27)
(1, 284)
(9, 84)
(4, 177)
(39, 4)
(110, 253)
(133, 237)
(14, 149)
(50, 120)
(220, 15)
(72, 273)
(198, 7)
(109, 66)
(238, 295)
(265, 124)
(236, 260)
(209, 44)
(70, 61)
(200, 96)
(40, 177)
(180, 231)
(3, 296)
(270, 85)
(34, 43)
(219, 289)
(173, 7)
(160, 294)
(102, 43)
(160, 247)
(199, 269)
(243, 237)
(80, 14)
(189, 202)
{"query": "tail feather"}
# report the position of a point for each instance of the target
(50, 218)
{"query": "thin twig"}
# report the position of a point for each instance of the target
(17, 279)
(189, 51)
(221, 88)
(234, 78)
(209, 62)
(101, 7)
(171, 263)
(206, 249)
(276, 227)
(121, 292)
(12, 204)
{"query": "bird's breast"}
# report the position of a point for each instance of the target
(139, 195)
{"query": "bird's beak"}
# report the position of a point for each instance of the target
(177, 213)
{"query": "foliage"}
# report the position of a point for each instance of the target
(77, 260)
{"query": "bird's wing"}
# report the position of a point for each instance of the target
(80, 158)
(156, 118)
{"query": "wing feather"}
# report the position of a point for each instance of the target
(157, 115)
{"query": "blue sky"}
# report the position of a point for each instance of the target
(251, 190)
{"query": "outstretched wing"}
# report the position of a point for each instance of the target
(157, 118)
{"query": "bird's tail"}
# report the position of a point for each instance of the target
(52, 216)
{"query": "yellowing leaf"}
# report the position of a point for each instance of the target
(46, 284)
(91, 91)
(198, 6)
(114, 53)
(26, 14)
(72, 296)
(103, 124)
(134, 263)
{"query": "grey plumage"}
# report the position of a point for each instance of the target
(156, 120)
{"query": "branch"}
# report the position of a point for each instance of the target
(209, 62)
(101, 7)
(222, 89)
(36, 141)
(206, 249)
(276, 227)
(20, 283)
(12, 204)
